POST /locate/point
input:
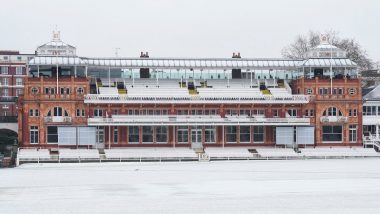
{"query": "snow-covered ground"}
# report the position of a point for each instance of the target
(298, 186)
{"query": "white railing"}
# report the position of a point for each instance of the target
(50, 119)
(333, 119)
(287, 87)
(101, 98)
(194, 120)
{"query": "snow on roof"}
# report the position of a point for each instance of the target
(373, 95)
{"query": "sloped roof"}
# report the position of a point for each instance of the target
(373, 95)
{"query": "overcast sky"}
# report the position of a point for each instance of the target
(193, 28)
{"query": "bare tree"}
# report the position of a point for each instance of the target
(304, 43)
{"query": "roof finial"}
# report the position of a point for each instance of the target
(324, 39)
(56, 35)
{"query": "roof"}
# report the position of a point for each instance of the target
(175, 63)
(327, 62)
(53, 60)
(373, 95)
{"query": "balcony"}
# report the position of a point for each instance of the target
(333, 119)
(50, 119)
(8, 100)
(188, 120)
(262, 99)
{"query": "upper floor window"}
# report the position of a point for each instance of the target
(323, 91)
(352, 112)
(58, 112)
(4, 70)
(18, 81)
(292, 112)
(18, 70)
(352, 91)
(5, 81)
(309, 91)
(369, 110)
(80, 90)
(34, 90)
(332, 111)
(98, 112)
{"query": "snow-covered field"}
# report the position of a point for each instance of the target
(300, 186)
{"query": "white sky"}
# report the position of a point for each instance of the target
(193, 28)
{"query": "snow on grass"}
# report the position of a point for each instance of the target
(299, 186)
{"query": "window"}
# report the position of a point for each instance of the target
(309, 91)
(18, 70)
(275, 113)
(183, 134)
(36, 113)
(352, 91)
(210, 134)
(352, 112)
(332, 111)
(31, 113)
(52, 134)
(78, 113)
(161, 134)
(147, 132)
(332, 133)
(353, 133)
(83, 113)
(34, 134)
(18, 81)
(100, 134)
(115, 134)
(80, 90)
(18, 92)
(292, 112)
(309, 113)
(5, 92)
(369, 110)
(57, 112)
(4, 70)
(258, 134)
(231, 134)
(5, 81)
(258, 112)
(133, 134)
(245, 134)
(323, 91)
(35, 90)
(98, 112)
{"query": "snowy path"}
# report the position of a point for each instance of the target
(302, 186)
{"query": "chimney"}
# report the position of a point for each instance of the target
(141, 54)
(147, 55)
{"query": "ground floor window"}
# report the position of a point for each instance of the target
(183, 134)
(258, 134)
(353, 133)
(147, 132)
(245, 134)
(52, 134)
(34, 134)
(161, 134)
(210, 134)
(133, 134)
(231, 134)
(332, 133)
(99, 134)
(115, 134)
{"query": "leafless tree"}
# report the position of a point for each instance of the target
(304, 43)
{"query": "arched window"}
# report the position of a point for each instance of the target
(332, 111)
(57, 112)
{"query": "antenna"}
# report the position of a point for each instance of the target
(117, 52)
